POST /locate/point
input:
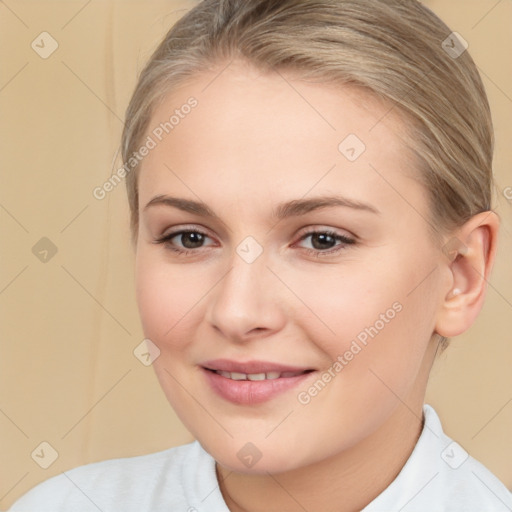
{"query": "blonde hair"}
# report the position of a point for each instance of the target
(396, 50)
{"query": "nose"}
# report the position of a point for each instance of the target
(247, 302)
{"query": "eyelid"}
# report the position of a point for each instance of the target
(320, 228)
(167, 235)
(185, 227)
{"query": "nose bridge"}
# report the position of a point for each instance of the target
(246, 297)
(243, 286)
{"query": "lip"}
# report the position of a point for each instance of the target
(247, 392)
(227, 365)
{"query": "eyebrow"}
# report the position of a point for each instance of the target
(293, 208)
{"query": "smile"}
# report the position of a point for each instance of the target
(258, 376)
(253, 382)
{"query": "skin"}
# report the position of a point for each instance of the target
(253, 142)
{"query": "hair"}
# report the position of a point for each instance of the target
(395, 50)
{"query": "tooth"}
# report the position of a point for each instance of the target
(238, 376)
(273, 375)
(256, 376)
(224, 374)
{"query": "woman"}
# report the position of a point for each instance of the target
(310, 194)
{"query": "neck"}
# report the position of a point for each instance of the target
(346, 482)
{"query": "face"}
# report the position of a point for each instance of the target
(284, 270)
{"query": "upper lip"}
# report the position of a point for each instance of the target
(227, 365)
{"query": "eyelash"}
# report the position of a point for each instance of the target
(166, 241)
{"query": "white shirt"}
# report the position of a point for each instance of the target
(438, 476)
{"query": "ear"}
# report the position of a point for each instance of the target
(468, 257)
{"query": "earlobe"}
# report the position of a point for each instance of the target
(469, 257)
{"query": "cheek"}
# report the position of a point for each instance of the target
(381, 332)
(373, 321)
(350, 303)
(168, 297)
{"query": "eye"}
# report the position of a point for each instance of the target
(323, 242)
(191, 239)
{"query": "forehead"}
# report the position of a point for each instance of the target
(253, 134)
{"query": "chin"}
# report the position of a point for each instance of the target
(250, 459)
(261, 467)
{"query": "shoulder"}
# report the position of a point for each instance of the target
(476, 488)
(130, 483)
(440, 475)
(468, 484)
(463, 481)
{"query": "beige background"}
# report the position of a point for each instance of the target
(69, 326)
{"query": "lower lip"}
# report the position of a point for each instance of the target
(250, 392)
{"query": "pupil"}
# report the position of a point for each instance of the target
(324, 239)
(194, 238)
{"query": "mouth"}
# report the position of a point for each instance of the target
(271, 375)
(253, 382)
